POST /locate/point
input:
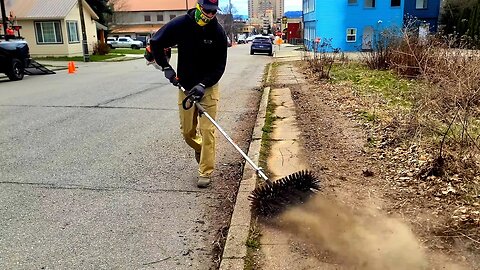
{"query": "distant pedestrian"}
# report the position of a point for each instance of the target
(202, 57)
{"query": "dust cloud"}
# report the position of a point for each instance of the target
(360, 238)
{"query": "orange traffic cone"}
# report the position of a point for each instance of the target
(71, 67)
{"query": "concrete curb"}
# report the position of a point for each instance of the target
(235, 250)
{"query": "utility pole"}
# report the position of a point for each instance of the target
(86, 56)
(4, 19)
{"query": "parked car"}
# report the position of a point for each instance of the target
(126, 42)
(143, 39)
(249, 39)
(14, 58)
(262, 44)
(111, 39)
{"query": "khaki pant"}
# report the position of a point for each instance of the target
(199, 132)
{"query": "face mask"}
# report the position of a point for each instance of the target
(200, 17)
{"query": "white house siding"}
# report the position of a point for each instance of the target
(28, 32)
(75, 49)
(64, 49)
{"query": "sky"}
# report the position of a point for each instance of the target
(242, 5)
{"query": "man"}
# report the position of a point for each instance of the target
(202, 56)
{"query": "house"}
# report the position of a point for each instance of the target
(424, 13)
(351, 25)
(53, 27)
(135, 19)
(348, 25)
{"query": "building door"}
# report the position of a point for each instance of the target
(367, 39)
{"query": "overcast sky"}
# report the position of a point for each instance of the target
(242, 5)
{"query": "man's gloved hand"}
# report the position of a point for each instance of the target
(197, 92)
(148, 55)
(171, 75)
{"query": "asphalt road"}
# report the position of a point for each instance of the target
(94, 173)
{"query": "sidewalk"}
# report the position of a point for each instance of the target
(277, 249)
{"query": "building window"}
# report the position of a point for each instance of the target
(72, 30)
(308, 6)
(370, 3)
(48, 32)
(352, 2)
(421, 4)
(351, 34)
(395, 3)
(147, 18)
(172, 17)
(160, 17)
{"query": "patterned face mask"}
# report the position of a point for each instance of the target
(201, 18)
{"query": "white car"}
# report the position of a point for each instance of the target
(125, 42)
(250, 39)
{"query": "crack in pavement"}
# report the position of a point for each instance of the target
(101, 189)
(87, 107)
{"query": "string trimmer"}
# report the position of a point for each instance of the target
(269, 197)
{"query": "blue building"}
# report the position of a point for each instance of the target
(424, 12)
(351, 25)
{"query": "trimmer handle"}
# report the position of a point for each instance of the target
(188, 102)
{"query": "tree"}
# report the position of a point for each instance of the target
(101, 8)
(228, 24)
(462, 18)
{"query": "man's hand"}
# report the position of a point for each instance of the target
(171, 75)
(197, 92)
(148, 55)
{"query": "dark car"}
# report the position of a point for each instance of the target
(14, 58)
(142, 39)
(262, 44)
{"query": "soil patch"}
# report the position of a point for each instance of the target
(366, 222)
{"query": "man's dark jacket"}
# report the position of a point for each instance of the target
(202, 51)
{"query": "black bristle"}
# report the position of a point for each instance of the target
(271, 199)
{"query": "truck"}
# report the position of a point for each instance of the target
(14, 58)
(125, 42)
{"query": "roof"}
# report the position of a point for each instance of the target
(44, 9)
(149, 28)
(154, 5)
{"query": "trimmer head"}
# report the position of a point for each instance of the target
(270, 199)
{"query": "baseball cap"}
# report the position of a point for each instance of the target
(209, 4)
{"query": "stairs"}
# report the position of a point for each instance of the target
(36, 68)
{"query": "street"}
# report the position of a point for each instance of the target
(94, 173)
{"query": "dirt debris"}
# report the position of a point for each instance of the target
(362, 172)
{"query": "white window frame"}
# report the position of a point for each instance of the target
(58, 36)
(350, 35)
(373, 2)
(77, 36)
(421, 4)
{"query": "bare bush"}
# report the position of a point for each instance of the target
(324, 56)
(101, 48)
(383, 45)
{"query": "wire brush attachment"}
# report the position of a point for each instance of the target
(270, 199)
